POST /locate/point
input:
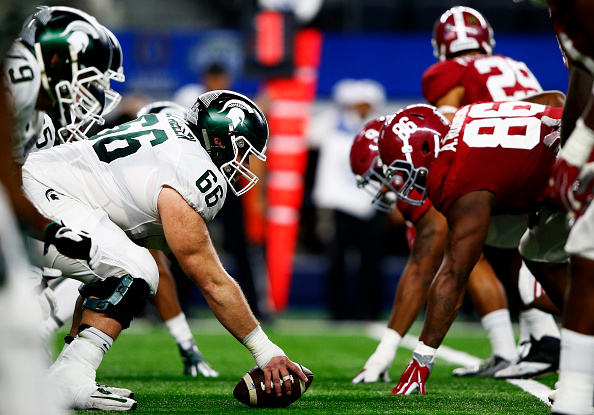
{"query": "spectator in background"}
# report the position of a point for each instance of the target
(248, 259)
(349, 226)
(215, 76)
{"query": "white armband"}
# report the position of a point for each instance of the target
(447, 109)
(263, 350)
(579, 145)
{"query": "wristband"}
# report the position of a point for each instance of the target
(578, 147)
(447, 109)
(390, 340)
(263, 350)
(425, 354)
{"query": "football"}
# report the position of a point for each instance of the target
(251, 390)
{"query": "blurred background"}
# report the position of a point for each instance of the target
(303, 248)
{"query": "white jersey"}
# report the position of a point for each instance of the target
(33, 130)
(122, 170)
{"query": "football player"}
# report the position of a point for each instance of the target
(467, 72)
(61, 64)
(35, 87)
(155, 182)
(166, 301)
(467, 185)
(21, 357)
(571, 185)
(429, 229)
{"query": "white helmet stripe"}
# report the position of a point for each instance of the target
(459, 26)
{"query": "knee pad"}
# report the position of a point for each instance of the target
(119, 298)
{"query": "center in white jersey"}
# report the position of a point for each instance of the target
(122, 170)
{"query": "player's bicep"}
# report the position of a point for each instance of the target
(187, 237)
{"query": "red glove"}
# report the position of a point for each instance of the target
(569, 189)
(415, 376)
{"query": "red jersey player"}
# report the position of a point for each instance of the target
(426, 253)
(467, 71)
(515, 137)
(572, 183)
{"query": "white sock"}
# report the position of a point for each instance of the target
(540, 323)
(501, 334)
(576, 373)
(524, 331)
(74, 371)
(180, 331)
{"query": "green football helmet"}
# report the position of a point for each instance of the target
(115, 72)
(74, 52)
(230, 127)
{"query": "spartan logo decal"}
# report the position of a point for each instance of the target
(236, 112)
(51, 194)
(77, 33)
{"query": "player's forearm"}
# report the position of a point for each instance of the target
(444, 302)
(410, 298)
(230, 307)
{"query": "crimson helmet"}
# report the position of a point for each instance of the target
(408, 145)
(367, 166)
(461, 29)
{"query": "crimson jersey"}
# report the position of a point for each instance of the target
(503, 147)
(484, 78)
(413, 213)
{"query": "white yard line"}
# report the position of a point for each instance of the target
(375, 331)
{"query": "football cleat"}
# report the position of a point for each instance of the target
(486, 368)
(542, 358)
(106, 401)
(194, 363)
(123, 392)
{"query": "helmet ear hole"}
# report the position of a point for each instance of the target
(425, 148)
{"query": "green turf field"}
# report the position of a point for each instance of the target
(145, 359)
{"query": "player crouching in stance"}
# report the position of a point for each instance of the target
(462, 176)
(155, 182)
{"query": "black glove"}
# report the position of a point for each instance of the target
(73, 244)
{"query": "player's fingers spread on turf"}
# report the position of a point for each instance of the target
(359, 377)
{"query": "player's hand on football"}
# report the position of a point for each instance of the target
(72, 243)
(276, 372)
(414, 377)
